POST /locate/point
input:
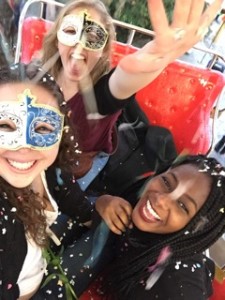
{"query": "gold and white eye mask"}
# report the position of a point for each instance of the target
(25, 123)
(80, 29)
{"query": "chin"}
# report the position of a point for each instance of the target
(139, 223)
(19, 184)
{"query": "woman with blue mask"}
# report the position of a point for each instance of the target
(35, 139)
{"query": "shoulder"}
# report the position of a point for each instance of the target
(188, 279)
(192, 272)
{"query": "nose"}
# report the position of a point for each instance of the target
(164, 200)
(24, 150)
(77, 48)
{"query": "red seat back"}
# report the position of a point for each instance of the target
(181, 99)
(218, 288)
(33, 32)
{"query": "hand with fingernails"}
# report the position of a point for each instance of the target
(189, 25)
(116, 212)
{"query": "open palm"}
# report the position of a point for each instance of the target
(189, 24)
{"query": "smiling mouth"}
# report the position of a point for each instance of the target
(149, 213)
(22, 166)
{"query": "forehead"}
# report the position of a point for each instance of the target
(193, 181)
(10, 92)
(187, 171)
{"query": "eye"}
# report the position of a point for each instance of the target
(92, 37)
(183, 206)
(166, 183)
(43, 128)
(7, 126)
(70, 30)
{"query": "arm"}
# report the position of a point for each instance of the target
(188, 27)
(115, 211)
(13, 249)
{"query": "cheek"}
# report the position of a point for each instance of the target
(62, 49)
(51, 155)
(94, 57)
(177, 221)
(99, 54)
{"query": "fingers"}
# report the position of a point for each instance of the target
(196, 12)
(119, 220)
(210, 13)
(158, 16)
(186, 12)
(115, 211)
(181, 13)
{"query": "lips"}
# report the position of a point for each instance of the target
(148, 213)
(22, 166)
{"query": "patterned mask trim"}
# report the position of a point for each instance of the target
(25, 123)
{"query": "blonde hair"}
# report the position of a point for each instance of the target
(50, 42)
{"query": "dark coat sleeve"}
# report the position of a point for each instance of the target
(188, 280)
(13, 248)
(107, 103)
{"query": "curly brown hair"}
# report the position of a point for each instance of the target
(29, 207)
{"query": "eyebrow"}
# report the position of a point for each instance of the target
(188, 197)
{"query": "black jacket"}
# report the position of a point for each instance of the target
(13, 244)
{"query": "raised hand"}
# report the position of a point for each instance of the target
(188, 27)
(115, 211)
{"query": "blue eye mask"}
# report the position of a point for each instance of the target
(25, 123)
(80, 29)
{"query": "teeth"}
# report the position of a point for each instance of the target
(151, 211)
(21, 166)
(77, 56)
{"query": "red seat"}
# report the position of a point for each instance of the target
(181, 99)
(219, 291)
(33, 32)
(119, 51)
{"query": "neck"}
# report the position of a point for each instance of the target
(37, 186)
(69, 87)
